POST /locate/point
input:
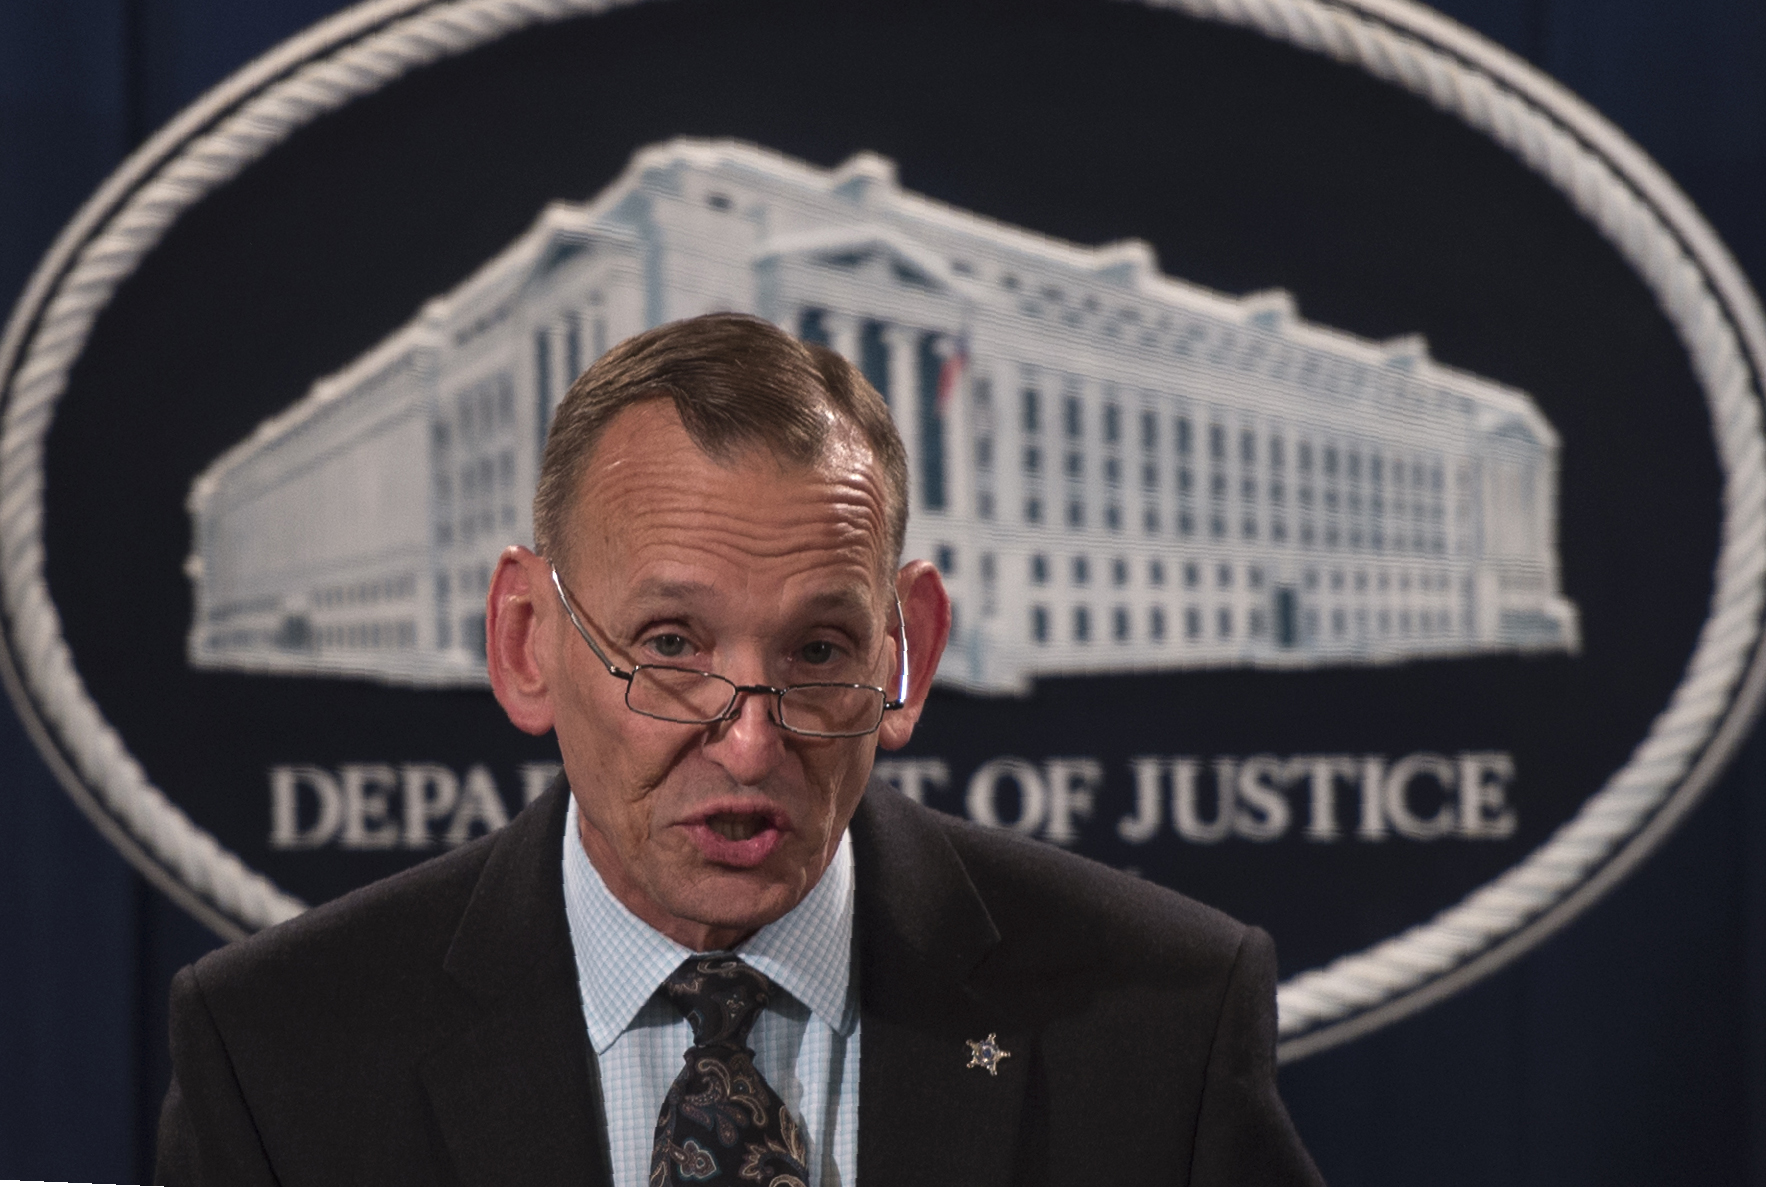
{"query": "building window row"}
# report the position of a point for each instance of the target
(356, 636)
(1224, 575)
(1398, 508)
(1120, 622)
(1255, 621)
(366, 593)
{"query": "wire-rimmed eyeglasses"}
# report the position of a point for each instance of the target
(689, 696)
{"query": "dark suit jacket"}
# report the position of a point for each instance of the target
(427, 1029)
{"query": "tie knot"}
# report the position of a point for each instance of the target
(720, 996)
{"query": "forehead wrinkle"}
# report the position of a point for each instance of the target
(637, 522)
(780, 533)
(815, 580)
(649, 492)
(651, 437)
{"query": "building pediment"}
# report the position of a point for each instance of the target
(858, 249)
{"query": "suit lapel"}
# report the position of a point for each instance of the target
(924, 1114)
(515, 1094)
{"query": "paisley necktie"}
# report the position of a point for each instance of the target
(721, 1123)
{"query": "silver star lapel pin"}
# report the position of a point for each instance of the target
(987, 1053)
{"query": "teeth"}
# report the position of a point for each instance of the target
(734, 828)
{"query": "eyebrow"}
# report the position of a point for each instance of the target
(844, 598)
(657, 589)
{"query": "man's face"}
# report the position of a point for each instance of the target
(764, 575)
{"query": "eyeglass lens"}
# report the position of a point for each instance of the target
(695, 698)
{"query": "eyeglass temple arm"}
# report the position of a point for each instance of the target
(612, 668)
(901, 687)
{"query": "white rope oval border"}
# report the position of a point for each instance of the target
(1608, 179)
(1577, 151)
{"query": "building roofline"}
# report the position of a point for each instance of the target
(867, 235)
(868, 182)
(412, 338)
(1129, 265)
(510, 269)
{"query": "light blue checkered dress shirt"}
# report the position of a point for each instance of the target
(806, 1044)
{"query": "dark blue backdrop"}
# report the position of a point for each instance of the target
(1630, 1049)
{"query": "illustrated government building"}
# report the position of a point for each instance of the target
(1115, 470)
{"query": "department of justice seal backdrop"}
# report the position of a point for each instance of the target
(1342, 445)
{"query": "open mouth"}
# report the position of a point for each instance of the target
(739, 835)
(734, 826)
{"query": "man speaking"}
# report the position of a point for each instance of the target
(714, 953)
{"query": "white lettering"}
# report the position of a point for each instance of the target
(912, 776)
(1143, 826)
(1373, 785)
(1072, 789)
(431, 791)
(1484, 811)
(1266, 814)
(1186, 812)
(285, 786)
(1406, 771)
(479, 804)
(373, 806)
(1033, 799)
(1254, 798)
(1323, 772)
(536, 777)
(366, 808)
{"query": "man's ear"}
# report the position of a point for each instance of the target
(926, 606)
(514, 640)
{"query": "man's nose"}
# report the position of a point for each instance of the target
(748, 743)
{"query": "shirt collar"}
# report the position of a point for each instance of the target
(621, 961)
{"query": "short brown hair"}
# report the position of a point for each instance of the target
(736, 381)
